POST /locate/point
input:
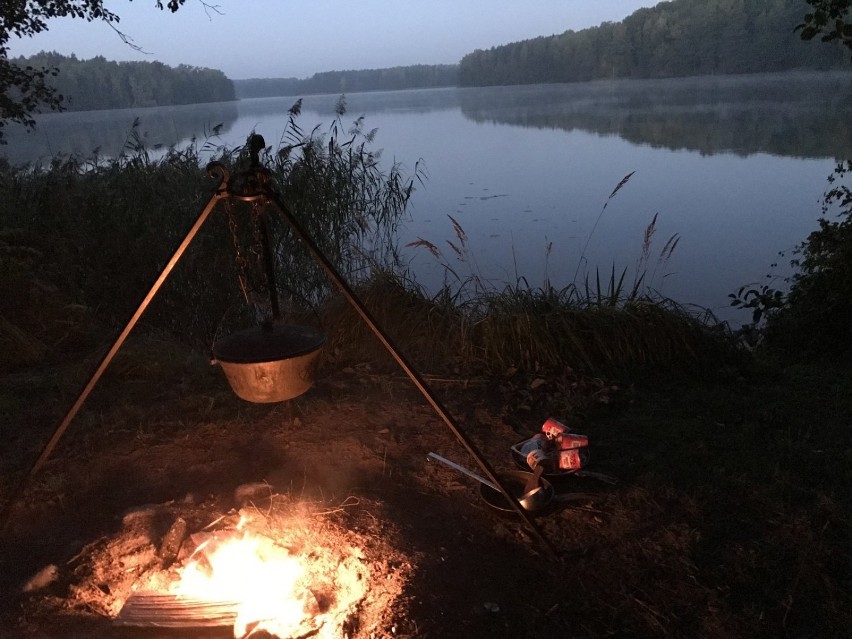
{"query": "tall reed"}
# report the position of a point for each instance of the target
(106, 226)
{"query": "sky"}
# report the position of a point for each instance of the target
(297, 38)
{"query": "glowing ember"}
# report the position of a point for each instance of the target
(264, 580)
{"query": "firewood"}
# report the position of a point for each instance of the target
(172, 541)
(157, 610)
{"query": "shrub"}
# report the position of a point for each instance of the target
(816, 316)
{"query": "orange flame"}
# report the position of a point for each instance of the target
(260, 577)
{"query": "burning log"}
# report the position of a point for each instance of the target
(172, 541)
(233, 578)
(158, 610)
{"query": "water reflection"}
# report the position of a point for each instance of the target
(369, 104)
(794, 114)
(522, 168)
(106, 133)
(801, 115)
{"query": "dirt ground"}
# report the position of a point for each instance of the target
(353, 452)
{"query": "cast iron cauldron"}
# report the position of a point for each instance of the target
(270, 363)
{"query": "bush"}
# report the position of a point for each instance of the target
(816, 316)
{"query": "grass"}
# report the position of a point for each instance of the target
(528, 329)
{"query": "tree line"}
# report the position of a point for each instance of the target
(99, 83)
(419, 76)
(628, 45)
(673, 39)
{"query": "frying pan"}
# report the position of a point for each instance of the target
(515, 481)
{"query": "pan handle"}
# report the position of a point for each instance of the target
(464, 470)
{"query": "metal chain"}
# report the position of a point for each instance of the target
(257, 246)
(262, 290)
(239, 259)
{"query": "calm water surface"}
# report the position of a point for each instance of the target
(734, 166)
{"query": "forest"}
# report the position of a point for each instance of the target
(419, 76)
(673, 39)
(99, 83)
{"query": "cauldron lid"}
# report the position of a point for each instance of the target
(268, 344)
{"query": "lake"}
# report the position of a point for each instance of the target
(735, 166)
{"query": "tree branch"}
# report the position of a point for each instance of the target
(830, 19)
(128, 40)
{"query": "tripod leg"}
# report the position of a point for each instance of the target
(99, 371)
(408, 369)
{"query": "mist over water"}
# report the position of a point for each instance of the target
(734, 165)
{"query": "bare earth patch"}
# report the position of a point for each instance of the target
(340, 480)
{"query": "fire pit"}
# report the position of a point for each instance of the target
(290, 570)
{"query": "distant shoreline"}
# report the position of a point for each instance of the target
(721, 77)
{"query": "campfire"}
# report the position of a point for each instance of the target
(259, 572)
(265, 583)
(291, 570)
